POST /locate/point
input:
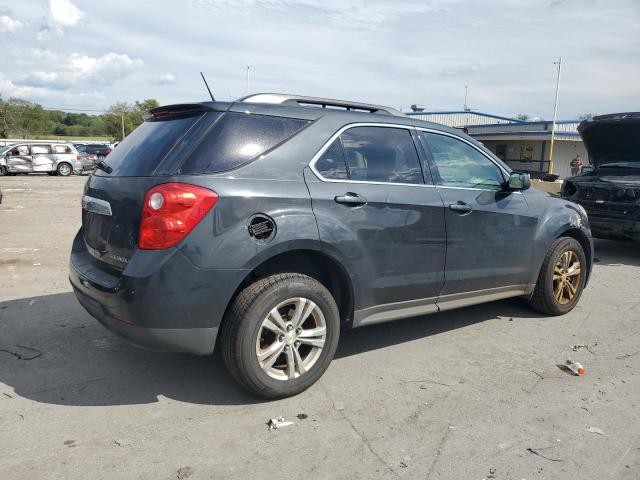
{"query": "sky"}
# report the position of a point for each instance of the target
(87, 55)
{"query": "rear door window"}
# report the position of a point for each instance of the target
(238, 138)
(331, 164)
(40, 149)
(381, 154)
(139, 154)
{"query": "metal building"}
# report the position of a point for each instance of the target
(525, 146)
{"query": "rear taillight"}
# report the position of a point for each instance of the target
(171, 211)
(77, 157)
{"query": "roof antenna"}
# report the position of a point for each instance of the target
(207, 85)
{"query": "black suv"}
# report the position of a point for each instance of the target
(268, 223)
(610, 187)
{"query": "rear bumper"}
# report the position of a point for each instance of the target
(199, 341)
(614, 229)
(86, 168)
(161, 301)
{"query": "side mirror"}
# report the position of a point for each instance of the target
(519, 181)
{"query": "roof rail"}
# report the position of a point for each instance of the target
(303, 101)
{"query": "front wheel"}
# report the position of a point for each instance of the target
(280, 335)
(561, 278)
(3, 170)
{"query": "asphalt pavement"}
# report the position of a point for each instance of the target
(467, 394)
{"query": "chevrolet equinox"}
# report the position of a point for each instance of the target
(266, 224)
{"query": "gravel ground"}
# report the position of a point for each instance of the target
(467, 394)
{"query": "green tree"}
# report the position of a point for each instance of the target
(523, 117)
(131, 114)
(23, 119)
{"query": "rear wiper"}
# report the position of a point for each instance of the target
(102, 165)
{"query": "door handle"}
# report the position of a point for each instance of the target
(461, 208)
(351, 200)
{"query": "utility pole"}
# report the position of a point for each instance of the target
(466, 90)
(555, 116)
(248, 67)
(122, 121)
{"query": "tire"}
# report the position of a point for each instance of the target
(545, 295)
(64, 170)
(244, 336)
(3, 170)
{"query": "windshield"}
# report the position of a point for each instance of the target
(5, 149)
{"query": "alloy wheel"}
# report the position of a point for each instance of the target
(291, 338)
(566, 277)
(64, 170)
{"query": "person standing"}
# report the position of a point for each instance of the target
(576, 165)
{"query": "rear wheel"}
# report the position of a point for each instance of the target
(3, 170)
(280, 335)
(64, 170)
(561, 279)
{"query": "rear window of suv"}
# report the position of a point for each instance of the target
(238, 138)
(139, 154)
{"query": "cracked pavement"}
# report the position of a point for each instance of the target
(463, 394)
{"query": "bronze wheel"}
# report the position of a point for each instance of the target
(566, 277)
(561, 279)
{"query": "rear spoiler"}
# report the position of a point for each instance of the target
(179, 110)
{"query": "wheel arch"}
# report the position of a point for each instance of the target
(313, 263)
(585, 242)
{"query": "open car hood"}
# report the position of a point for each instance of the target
(612, 138)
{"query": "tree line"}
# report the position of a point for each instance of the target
(23, 119)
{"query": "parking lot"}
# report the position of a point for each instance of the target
(467, 394)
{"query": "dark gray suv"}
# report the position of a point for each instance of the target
(268, 223)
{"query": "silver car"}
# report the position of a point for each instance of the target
(53, 158)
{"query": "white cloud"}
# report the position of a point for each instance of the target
(164, 79)
(62, 14)
(9, 24)
(48, 97)
(77, 69)
(106, 68)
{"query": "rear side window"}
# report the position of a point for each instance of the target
(381, 154)
(139, 154)
(62, 149)
(238, 138)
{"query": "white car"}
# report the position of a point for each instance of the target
(53, 158)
